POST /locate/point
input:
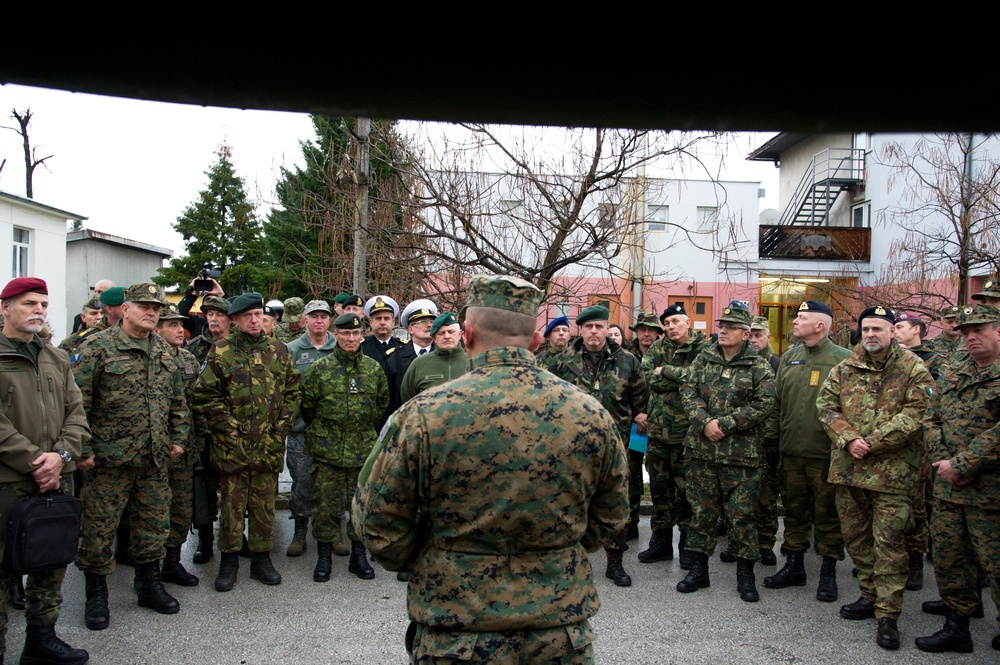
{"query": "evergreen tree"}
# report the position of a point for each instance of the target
(221, 230)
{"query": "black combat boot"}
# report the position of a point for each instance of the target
(938, 608)
(955, 636)
(685, 555)
(262, 569)
(661, 547)
(632, 531)
(793, 573)
(229, 567)
(746, 584)
(151, 591)
(915, 578)
(697, 577)
(324, 562)
(174, 571)
(767, 557)
(43, 647)
(859, 610)
(358, 563)
(298, 545)
(827, 589)
(887, 634)
(96, 614)
(727, 556)
(203, 554)
(616, 572)
(17, 592)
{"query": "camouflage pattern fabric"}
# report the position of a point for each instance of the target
(565, 645)
(668, 421)
(284, 332)
(181, 482)
(330, 486)
(250, 493)
(767, 507)
(811, 507)
(935, 362)
(918, 536)
(943, 345)
(516, 476)
(965, 534)
(667, 469)
(200, 346)
(720, 490)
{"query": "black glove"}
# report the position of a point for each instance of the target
(772, 451)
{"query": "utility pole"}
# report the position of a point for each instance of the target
(361, 136)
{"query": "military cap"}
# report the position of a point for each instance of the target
(815, 306)
(593, 313)
(269, 310)
(740, 304)
(294, 309)
(341, 297)
(739, 315)
(113, 296)
(143, 292)
(673, 310)
(991, 289)
(347, 321)
(170, 312)
(353, 301)
(93, 303)
(417, 310)
(503, 292)
(950, 312)
(878, 312)
(275, 305)
(19, 285)
(975, 314)
(381, 304)
(907, 316)
(647, 319)
(560, 321)
(218, 303)
(245, 302)
(444, 319)
(760, 323)
(316, 306)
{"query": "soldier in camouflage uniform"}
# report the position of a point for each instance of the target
(133, 394)
(492, 489)
(89, 318)
(963, 442)
(728, 392)
(557, 340)
(601, 368)
(647, 329)
(292, 325)
(43, 431)
(990, 295)
(343, 396)
(949, 341)
(872, 406)
(110, 302)
(248, 394)
(667, 426)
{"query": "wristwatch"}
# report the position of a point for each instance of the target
(66, 457)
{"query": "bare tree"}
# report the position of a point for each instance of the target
(31, 158)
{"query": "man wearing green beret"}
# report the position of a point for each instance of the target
(446, 362)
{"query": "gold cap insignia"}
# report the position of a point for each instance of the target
(726, 311)
(879, 311)
(804, 306)
(152, 289)
(988, 284)
(379, 302)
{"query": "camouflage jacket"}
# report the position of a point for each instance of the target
(885, 404)
(134, 402)
(41, 410)
(343, 396)
(304, 354)
(286, 334)
(617, 381)
(964, 427)
(936, 362)
(189, 372)
(200, 346)
(943, 345)
(739, 394)
(248, 385)
(492, 488)
(668, 420)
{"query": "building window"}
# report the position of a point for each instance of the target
(659, 217)
(707, 217)
(562, 308)
(22, 238)
(861, 215)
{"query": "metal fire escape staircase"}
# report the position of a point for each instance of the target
(829, 173)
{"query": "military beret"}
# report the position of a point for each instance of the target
(294, 309)
(19, 285)
(878, 312)
(418, 310)
(341, 297)
(269, 310)
(975, 314)
(991, 289)
(907, 316)
(760, 323)
(503, 292)
(736, 315)
(381, 304)
(816, 306)
(739, 304)
(218, 303)
(950, 312)
(316, 306)
(245, 302)
(353, 301)
(143, 292)
(170, 312)
(673, 310)
(593, 313)
(113, 296)
(647, 319)
(560, 321)
(347, 321)
(444, 319)
(93, 303)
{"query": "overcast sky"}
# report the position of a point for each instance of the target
(132, 166)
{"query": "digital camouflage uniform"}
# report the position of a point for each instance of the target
(667, 426)
(137, 410)
(883, 402)
(182, 469)
(247, 385)
(770, 480)
(740, 395)
(343, 396)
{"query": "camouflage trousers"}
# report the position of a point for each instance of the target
(247, 492)
(715, 490)
(107, 493)
(667, 470)
(332, 488)
(181, 505)
(634, 485)
(917, 538)
(300, 499)
(562, 645)
(962, 536)
(43, 590)
(767, 512)
(874, 525)
(810, 502)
